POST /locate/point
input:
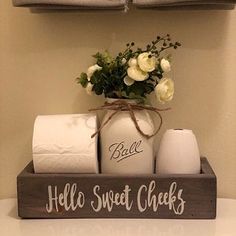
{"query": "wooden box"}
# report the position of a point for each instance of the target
(117, 196)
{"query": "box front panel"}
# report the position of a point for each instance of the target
(98, 196)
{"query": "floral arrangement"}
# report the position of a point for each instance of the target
(133, 73)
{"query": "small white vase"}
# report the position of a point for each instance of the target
(123, 149)
(178, 153)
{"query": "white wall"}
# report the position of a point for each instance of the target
(41, 55)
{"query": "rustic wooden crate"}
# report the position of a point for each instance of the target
(140, 196)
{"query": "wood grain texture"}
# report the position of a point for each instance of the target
(198, 192)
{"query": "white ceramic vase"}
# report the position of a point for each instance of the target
(123, 149)
(178, 153)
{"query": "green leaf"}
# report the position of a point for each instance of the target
(98, 89)
(149, 88)
(83, 79)
(138, 89)
(103, 59)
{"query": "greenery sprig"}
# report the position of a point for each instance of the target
(133, 73)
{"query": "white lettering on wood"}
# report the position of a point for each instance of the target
(70, 198)
(148, 198)
(109, 199)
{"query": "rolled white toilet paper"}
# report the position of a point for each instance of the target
(63, 144)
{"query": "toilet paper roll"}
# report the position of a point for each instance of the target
(63, 144)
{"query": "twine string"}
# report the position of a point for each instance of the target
(121, 105)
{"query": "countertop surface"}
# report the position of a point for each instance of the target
(223, 225)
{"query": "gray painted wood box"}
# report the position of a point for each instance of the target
(117, 196)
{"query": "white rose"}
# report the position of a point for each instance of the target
(165, 90)
(135, 73)
(132, 62)
(165, 65)
(146, 63)
(128, 81)
(92, 69)
(89, 88)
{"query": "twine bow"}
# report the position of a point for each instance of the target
(121, 105)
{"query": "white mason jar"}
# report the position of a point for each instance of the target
(123, 149)
(178, 153)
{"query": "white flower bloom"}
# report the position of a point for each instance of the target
(123, 61)
(89, 88)
(165, 65)
(146, 63)
(165, 90)
(92, 69)
(132, 62)
(128, 81)
(135, 73)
